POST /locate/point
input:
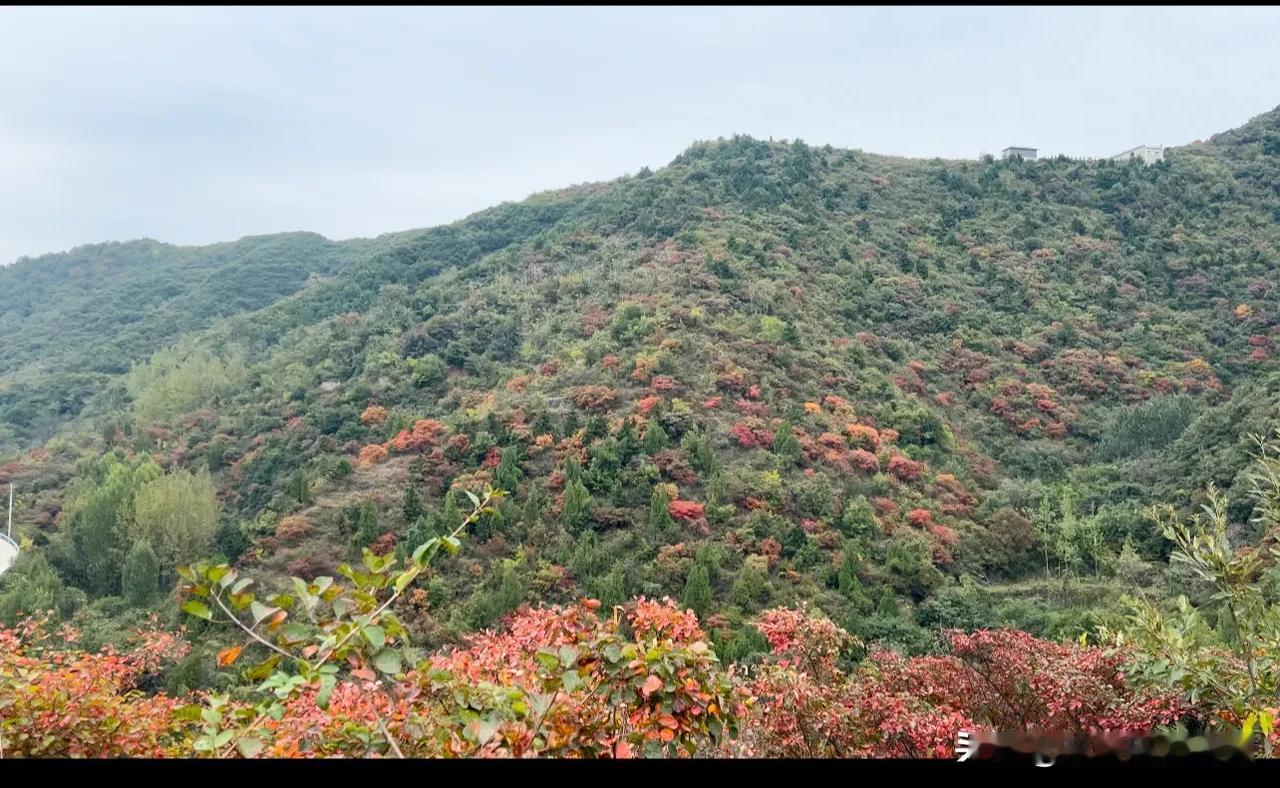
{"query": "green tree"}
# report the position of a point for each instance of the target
(751, 587)
(577, 505)
(507, 475)
(366, 530)
(697, 590)
(30, 586)
(140, 577)
(660, 522)
(785, 445)
(655, 438)
(411, 506)
(178, 515)
(858, 518)
(847, 579)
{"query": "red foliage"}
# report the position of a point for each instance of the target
(373, 454)
(920, 518)
(863, 436)
(662, 383)
(373, 415)
(904, 469)
(687, 511)
(865, 461)
(593, 397)
(647, 404)
(892, 706)
(425, 435)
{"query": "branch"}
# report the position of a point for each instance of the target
(390, 739)
(217, 598)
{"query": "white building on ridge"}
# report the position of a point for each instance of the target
(1023, 153)
(1148, 154)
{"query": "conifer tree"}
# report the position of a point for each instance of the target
(697, 590)
(140, 576)
(412, 504)
(785, 445)
(655, 438)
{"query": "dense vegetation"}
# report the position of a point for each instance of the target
(918, 411)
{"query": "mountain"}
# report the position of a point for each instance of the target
(911, 393)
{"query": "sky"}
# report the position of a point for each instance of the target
(199, 125)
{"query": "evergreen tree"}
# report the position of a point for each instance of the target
(585, 562)
(572, 469)
(848, 581)
(660, 522)
(701, 456)
(655, 438)
(411, 507)
(751, 586)
(697, 590)
(602, 473)
(612, 588)
(628, 446)
(858, 518)
(531, 514)
(785, 445)
(577, 505)
(300, 487)
(888, 607)
(140, 576)
(231, 541)
(366, 530)
(507, 475)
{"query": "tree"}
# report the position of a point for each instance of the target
(785, 445)
(178, 515)
(366, 530)
(411, 507)
(848, 581)
(697, 590)
(655, 438)
(660, 522)
(507, 475)
(577, 505)
(751, 587)
(99, 517)
(858, 518)
(300, 487)
(30, 586)
(140, 577)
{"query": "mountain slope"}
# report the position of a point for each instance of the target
(779, 372)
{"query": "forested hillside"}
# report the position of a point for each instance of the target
(934, 404)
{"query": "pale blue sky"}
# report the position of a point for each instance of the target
(203, 125)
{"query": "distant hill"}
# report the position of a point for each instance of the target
(818, 375)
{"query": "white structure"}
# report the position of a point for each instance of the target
(8, 547)
(1146, 153)
(1021, 153)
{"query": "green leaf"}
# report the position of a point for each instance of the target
(261, 611)
(219, 574)
(571, 680)
(472, 497)
(387, 661)
(376, 636)
(249, 746)
(197, 609)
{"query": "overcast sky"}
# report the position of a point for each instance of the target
(199, 125)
